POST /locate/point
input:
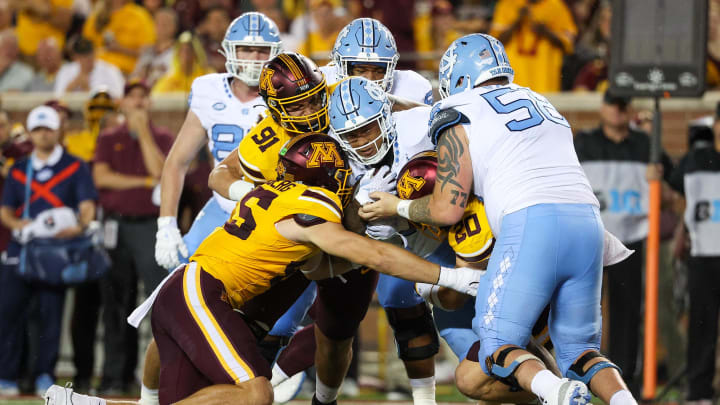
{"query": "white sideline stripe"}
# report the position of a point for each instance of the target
(208, 325)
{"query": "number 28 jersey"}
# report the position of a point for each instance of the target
(521, 150)
(225, 118)
(247, 254)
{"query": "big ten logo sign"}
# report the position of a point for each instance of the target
(621, 201)
(707, 211)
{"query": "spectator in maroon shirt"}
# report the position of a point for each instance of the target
(127, 165)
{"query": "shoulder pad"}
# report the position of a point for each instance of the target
(440, 120)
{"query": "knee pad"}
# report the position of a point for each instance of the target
(576, 372)
(506, 375)
(408, 328)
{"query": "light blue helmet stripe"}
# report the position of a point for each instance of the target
(347, 102)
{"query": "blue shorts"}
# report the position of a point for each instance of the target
(209, 218)
(546, 253)
(456, 327)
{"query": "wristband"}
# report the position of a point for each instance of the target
(403, 208)
(238, 189)
(167, 221)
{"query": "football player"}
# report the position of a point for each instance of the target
(366, 48)
(205, 319)
(223, 108)
(296, 94)
(377, 139)
(509, 145)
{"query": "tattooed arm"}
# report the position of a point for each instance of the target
(445, 206)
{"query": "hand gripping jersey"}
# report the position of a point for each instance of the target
(407, 84)
(247, 254)
(471, 238)
(225, 118)
(521, 149)
(258, 151)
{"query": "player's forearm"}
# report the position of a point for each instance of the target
(398, 262)
(220, 180)
(171, 186)
(427, 210)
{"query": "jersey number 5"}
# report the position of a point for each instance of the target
(537, 107)
(264, 199)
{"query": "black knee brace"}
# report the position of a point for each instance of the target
(576, 369)
(407, 328)
(506, 375)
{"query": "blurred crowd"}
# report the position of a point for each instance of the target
(73, 45)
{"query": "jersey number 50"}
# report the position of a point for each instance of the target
(538, 109)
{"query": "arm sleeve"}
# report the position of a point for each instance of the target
(85, 186)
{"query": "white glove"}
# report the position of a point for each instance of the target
(382, 180)
(382, 229)
(169, 243)
(429, 292)
(461, 279)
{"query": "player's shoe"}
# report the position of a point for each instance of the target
(57, 395)
(568, 392)
(289, 389)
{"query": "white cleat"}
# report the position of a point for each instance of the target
(57, 395)
(569, 392)
(289, 389)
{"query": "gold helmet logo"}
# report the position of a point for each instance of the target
(408, 184)
(266, 82)
(324, 152)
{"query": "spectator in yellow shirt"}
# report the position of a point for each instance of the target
(536, 35)
(99, 113)
(41, 19)
(188, 63)
(320, 41)
(120, 29)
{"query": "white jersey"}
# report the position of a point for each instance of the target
(225, 118)
(411, 127)
(407, 84)
(521, 150)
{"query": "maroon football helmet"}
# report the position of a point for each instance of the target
(416, 180)
(316, 159)
(288, 81)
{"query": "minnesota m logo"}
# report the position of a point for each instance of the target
(324, 152)
(408, 184)
(266, 82)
